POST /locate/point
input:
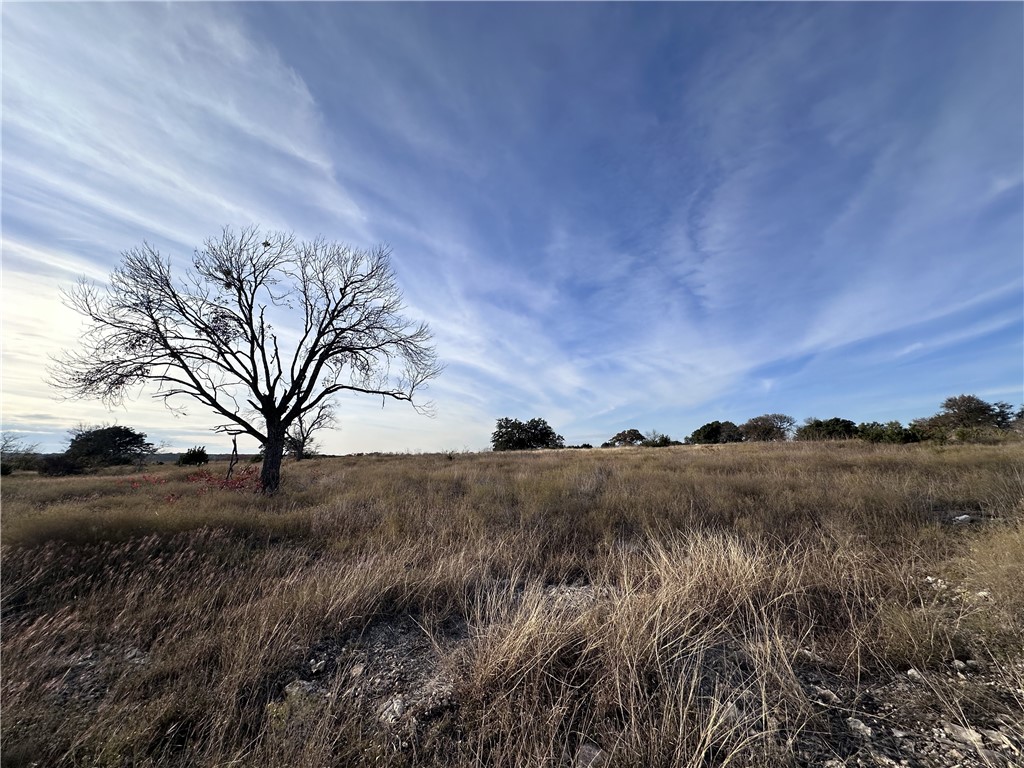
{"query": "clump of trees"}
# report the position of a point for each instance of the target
(768, 428)
(625, 437)
(208, 333)
(15, 453)
(633, 437)
(108, 446)
(515, 435)
(194, 457)
(826, 429)
(891, 432)
(716, 432)
(968, 418)
(98, 446)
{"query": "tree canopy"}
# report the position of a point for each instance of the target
(826, 429)
(716, 432)
(108, 446)
(514, 435)
(626, 437)
(770, 427)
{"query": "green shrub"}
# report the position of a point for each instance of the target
(59, 465)
(194, 457)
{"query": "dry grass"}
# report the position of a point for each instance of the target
(657, 604)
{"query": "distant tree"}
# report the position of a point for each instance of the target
(770, 427)
(194, 457)
(715, 432)
(299, 443)
(656, 439)
(827, 429)
(515, 435)
(108, 446)
(626, 437)
(972, 411)
(890, 432)
(965, 417)
(208, 334)
(15, 453)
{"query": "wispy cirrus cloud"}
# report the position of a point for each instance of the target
(608, 214)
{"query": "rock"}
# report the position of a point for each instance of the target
(808, 655)
(589, 755)
(317, 667)
(964, 735)
(962, 519)
(357, 670)
(393, 710)
(914, 675)
(897, 734)
(298, 687)
(998, 738)
(958, 665)
(826, 696)
(858, 728)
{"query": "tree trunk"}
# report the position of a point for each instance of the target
(273, 450)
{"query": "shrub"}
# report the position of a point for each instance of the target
(890, 432)
(656, 439)
(194, 457)
(59, 465)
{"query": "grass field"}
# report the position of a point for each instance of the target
(690, 606)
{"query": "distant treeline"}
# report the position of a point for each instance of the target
(963, 418)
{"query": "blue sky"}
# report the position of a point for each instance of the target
(612, 215)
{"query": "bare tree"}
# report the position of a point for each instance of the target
(298, 440)
(208, 335)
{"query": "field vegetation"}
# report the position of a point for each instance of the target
(692, 606)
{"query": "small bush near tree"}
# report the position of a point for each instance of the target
(60, 465)
(515, 435)
(194, 457)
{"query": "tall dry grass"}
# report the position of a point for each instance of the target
(656, 604)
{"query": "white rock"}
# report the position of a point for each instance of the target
(914, 675)
(826, 696)
(589, 755)
(963, 735)
(858, 728)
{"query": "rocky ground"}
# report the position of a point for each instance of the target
(968, 715)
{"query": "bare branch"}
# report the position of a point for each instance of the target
(210, 335)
